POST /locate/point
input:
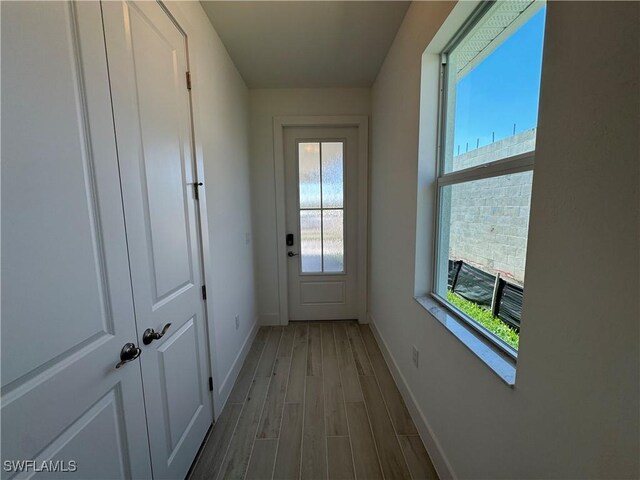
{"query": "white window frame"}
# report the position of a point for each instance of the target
(514, 164)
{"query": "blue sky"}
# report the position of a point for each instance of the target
(501, 90)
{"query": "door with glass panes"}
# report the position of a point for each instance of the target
(321, 203)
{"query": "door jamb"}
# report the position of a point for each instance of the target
(182, 22)
(361, 122)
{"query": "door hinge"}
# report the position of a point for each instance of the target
(211, 384)
(443, 58)
(204, 292)
(188, 74)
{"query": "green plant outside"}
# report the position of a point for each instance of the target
(485, 318)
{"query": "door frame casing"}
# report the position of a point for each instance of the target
(197, 133)
(361, 122)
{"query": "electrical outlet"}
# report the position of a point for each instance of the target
(237, 322)
(414, 351)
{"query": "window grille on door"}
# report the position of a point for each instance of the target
(321, 206)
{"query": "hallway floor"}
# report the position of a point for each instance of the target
(314, 400)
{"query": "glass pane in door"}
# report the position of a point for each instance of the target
(332, 241)
(309, 174)
(321, 206)
(332, 169)
(311, 240)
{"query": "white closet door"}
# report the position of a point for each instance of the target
(147, 55)
(67, 306)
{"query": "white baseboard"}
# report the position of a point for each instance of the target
(227, 384)
(269, 319)
(438, 457)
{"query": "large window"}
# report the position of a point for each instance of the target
(491, 85)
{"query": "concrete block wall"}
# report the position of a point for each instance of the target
(489, 218)
(507, 147)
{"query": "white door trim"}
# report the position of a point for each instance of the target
(174, 11)
(361, 122)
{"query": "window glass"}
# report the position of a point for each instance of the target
(332, 241)
(311, 240)
(485, 223)
(491, 93)
(493, 87)
(309, 174)
(321, 200)
(332, 182)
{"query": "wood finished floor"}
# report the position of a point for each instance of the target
(314, 401)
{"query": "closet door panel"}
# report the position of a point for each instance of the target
(66, 292)
(147, 52)
(159, 67)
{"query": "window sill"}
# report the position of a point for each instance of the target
(501, 364)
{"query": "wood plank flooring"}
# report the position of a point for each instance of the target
(314, 400)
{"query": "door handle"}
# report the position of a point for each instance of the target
(150, 334)
(292, 254)
(128, 354)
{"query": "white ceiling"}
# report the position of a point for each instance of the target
(307, 44)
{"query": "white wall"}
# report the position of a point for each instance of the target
(573, 412)
(221, 120)
(264, 105)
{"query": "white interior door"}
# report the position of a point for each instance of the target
(67, 307)
(321, 175)
(147, 54)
